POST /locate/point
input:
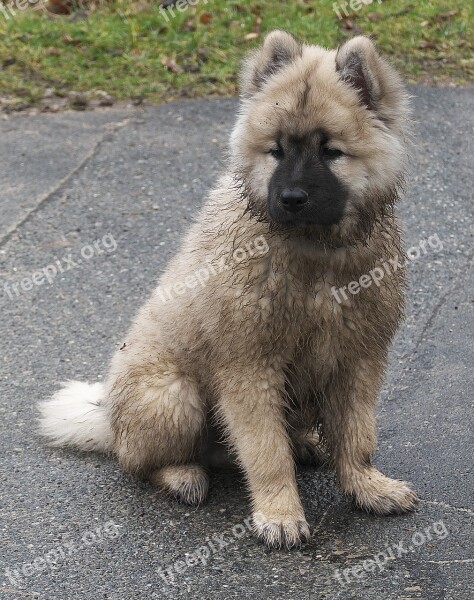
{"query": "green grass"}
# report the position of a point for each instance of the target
(121, 47)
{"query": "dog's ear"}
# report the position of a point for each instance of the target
(356, 63)
(360, 66)
(279, 49)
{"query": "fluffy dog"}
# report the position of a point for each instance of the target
(244, 328)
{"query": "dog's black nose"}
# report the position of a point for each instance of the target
(293, 200)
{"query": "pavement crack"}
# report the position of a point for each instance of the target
(19, 592)
(454, 561)
(439, 305)
(108, 130)
(318, 526)
(446, 505)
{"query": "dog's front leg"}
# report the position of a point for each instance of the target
(350, 431)
(251, 408)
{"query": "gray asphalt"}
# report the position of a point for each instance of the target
(139, 175)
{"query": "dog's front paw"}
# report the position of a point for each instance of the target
(381, 495)
(280, 532)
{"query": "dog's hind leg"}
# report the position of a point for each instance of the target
(157, 420)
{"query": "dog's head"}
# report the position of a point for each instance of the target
(320, 141)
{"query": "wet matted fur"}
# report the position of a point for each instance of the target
(260, 343)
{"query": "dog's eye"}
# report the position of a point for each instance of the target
(277, 152)
(329, 152)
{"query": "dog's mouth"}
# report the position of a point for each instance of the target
(320, 237)
(317, 244)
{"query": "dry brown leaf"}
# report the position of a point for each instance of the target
(258, 25)
(189, 25)
(446, 15)
(375, 16)
(250, 36)
(205, 18)
(191, 68)
(203, 54)
(427, 45)
(58, 7)
(69, 40)
(172, 66)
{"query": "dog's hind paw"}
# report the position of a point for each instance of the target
(308, 449)
(187, 483)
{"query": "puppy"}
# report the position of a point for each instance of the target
(252, 326)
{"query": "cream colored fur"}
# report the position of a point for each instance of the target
(262, 347)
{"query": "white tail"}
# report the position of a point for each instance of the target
(76, 416)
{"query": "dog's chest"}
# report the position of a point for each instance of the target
(327, 331)
(311, 316)
(326, 323)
